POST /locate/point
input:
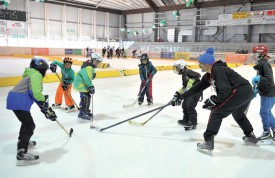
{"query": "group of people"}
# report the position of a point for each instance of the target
(233, 96)
(120, 52)
(29, 90)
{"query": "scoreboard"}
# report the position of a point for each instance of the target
(15, 15)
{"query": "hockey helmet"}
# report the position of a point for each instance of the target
(179, 66)
(96, 59)
(67, 60)
(40, 65)
(260, 49)
(144, 57)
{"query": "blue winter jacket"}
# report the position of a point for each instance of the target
(28, 90)
(145, 70)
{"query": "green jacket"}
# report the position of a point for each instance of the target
(28, 90)
(67, 74)
(83, 79)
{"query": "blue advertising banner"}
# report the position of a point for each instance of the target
(167, 55)
(68, 51)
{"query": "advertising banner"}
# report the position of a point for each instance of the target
(40, 51)
(242, 58)
(182, 55)
(15, 24)
(167, 55)
(73, 51)
(68, 51)
(154, 54)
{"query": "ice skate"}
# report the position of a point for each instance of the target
(150, 102)
(190, 126)
(25, 158)
(265, 138)
(182, 122)
(32, 145)
(273, 133)
(206, 147)
(83, 116)
(250, 138)
(56, 105)
(70, 108)
(140, 100)
(89, 113)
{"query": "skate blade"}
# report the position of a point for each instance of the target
(205, 151)
(26, 163)
(265, 142)
(83, 120)
(71, 110)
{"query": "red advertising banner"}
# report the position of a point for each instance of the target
(242, 58)
(40, 51)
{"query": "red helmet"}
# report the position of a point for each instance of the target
(261, 49)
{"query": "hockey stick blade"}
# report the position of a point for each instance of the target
(71, 132)
(130, 105)
(131, 122)
(136, 123)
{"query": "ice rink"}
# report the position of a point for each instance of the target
(159, 149)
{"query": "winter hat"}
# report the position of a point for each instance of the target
(208, 57)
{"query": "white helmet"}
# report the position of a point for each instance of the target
(178, 66)
(96, 57)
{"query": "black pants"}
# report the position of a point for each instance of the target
(236, 105)
(26, 129)
(189, 108)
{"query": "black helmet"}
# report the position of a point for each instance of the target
(144, 56)
(39, 64)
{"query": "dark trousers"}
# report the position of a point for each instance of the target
(189, 108)
(147, 90)
(236, 104)
(26, 129)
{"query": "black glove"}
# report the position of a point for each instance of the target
(44, 104)
(91, 90)
(210, 103)
(177, 99)
(53, 67)
(94, 75)
(65, 85)
(49, 114)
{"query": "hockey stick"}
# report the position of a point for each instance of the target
(71, 130)
(105, 128)
(68, 94)
(92, 126)
(131, 105)
(143, 123)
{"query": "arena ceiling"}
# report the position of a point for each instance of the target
(142, 6)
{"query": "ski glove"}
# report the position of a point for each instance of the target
(256, 79)
(44, 104)
(65, 85)
(144, 82)
(255, 90)
(49, 114)
(53, 67)
(177, 99)
(150, 76)
(210, 103)
(91, 90)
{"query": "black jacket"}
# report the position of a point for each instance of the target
(223, 79)
(266, 85)
(187, 74)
